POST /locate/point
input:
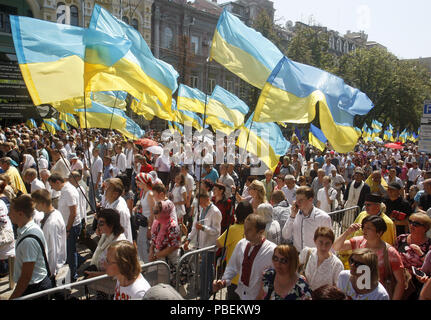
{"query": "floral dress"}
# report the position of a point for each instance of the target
(409, 256)
(300, 291)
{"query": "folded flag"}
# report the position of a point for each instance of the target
(243, 50)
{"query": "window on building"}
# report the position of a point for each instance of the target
(346, 47)
(60, 12)
(167, 38)
(135, 24)
(331, 42)
(5, 11)
(194, 44)
(194, 81)
(339, 45)
(211, 84)
(125, 19)
(228, 85)
(74, 16)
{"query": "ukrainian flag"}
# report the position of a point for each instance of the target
(219, 124)
(387, 135)
(225, 105)
(100, 116)
(149, 106)
(52, 58)
(63, 125)
(243, 50)
(116, 99)
(292, 92)
(185, 116)
(316, 138)
(68, 118)
(390, 128)
(31, 123)
(175, 126)
(138, 71)
(51, 125)
(191, 99)
(364, 130)
(132, 130)
(265, 140)
(377, 126)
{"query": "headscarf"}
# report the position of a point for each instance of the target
(163, 223)
(28, 161)
(145, 178)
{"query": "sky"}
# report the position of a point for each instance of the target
(401, 26)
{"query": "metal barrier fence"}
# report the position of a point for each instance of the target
(194, 274)
(154, 272)
(342, 219)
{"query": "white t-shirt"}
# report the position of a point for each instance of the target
(135, 291)
(96, 168)
(121, 206)
(162, 164)
(36, 184)
(177, 193)
(69, 197)
(344, 284)
(321, 196)
(54, 230)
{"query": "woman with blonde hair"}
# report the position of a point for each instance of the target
(354, 282)
(282, 282)
(257, 194)
(122, 263)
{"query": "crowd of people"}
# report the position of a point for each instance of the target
(272, 230)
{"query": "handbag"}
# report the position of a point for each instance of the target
(390, 282)
(6, 236)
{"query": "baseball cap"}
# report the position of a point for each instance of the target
(162, 291)
(394, 185)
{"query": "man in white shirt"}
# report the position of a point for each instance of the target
(61, 164)
(304, 219)
(290, 188)
(413, 174)
(163, 168)
(328, 166)
(114, 200)
(96, 171)
(128, 151)
(30, 177)
(68, 207)
(326, 196)
(53, 228)
(120, 160)
(205, 231)
(251, 256)
(226, 180)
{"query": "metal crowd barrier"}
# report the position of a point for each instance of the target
(342, 219)
(191, 271)
(154, 272)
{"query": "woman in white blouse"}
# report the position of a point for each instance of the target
(320, 265)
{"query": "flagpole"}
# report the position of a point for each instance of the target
(112, 114)
(88, 152)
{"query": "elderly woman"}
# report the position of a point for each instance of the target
(272, 230)
(320, 266)
(391, 268)
(283, 281)
(350, 281)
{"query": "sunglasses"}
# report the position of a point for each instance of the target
(355, 263)
(416, 224)
(280, 260)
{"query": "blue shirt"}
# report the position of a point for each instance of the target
(213, 175)
(30, 251)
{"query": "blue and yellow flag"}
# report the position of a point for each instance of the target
(292, 92)
(52, 59)
(377, 126)
(116, 99)
(100, 116)
(175, 126)
(132, 130)
(316, 138)
(185, 116)
(191, 99)
(138, 71)
(149, 107)
(31, 123)
(50, 125)
(227, 106)
(264, 140)
(390, 129)
(387, 135)
(63, 125)
(68, 118)
(243, 50)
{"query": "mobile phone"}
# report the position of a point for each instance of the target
(418, 272)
